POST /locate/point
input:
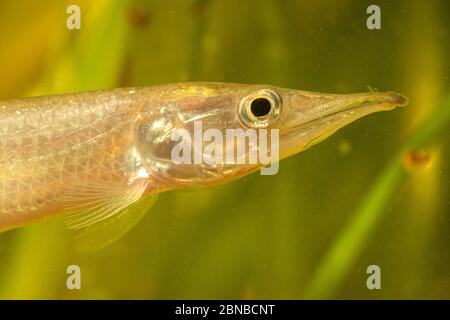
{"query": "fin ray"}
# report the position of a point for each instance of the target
(101, 212)
(95, 201)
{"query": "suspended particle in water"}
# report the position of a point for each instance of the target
(344, 147)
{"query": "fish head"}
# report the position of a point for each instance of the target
(200, 134)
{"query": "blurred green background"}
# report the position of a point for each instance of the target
(377, 192)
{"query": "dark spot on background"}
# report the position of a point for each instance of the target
(138, 17)
(417, 159)
(199, 7)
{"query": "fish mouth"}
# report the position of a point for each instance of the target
(328, 113)
(356, 104)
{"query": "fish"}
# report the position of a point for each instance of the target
(96, 156)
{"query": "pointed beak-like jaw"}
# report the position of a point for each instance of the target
(312, 117)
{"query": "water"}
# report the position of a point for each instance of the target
(312, 230)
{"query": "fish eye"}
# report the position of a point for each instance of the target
(260, 109)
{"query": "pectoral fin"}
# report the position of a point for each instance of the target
(100, 213)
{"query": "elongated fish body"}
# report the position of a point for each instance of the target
(53, 144)
(96, 153)
(49, 144)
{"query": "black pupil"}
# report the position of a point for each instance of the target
(260, 107)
